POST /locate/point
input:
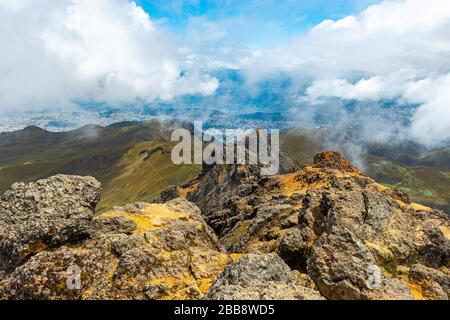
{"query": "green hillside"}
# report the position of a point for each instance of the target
(142, 173)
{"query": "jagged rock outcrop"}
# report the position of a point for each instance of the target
(140, 251)
(354, 237)
(261, 277)
(220, 191)
(44, 214)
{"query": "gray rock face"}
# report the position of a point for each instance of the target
(140, 251)
(437, 282)
(259, 277)
(44, 214)
(221, 195)
(343, 268)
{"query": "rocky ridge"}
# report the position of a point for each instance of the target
(322, 232)
(355, 238)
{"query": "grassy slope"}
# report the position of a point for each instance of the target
(138, 178)
(424, 184)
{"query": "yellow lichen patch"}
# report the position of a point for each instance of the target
(378, 186)
(301, 181)
(419, 207)
(401, 204)
(204, 285)
(445, 231)
(185, 191)
(80, 250)
(161, 214)
(414, 206)
(416, 290)
(152, 217)
(291, 186)
(87, 294)
(236, 256)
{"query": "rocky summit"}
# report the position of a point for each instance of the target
(325, 231)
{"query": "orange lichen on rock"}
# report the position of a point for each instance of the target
(445, 231)
(183, 192)
(414, 206)
(301, 181)
(151, 217)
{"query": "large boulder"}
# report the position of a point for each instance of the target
(343, 268)
(260, 277)
(140, 251)
(44, 214)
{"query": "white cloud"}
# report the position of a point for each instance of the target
(431, 123)
(373, 88)
(382, 53)
(54, 52)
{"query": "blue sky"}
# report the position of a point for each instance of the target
(252, 23)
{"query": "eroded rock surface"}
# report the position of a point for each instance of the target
(354, 237)
(140, 251)
(44, 214)
(261, 277)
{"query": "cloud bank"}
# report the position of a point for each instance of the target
(398, 49)
(56, 52)
(59, 52)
